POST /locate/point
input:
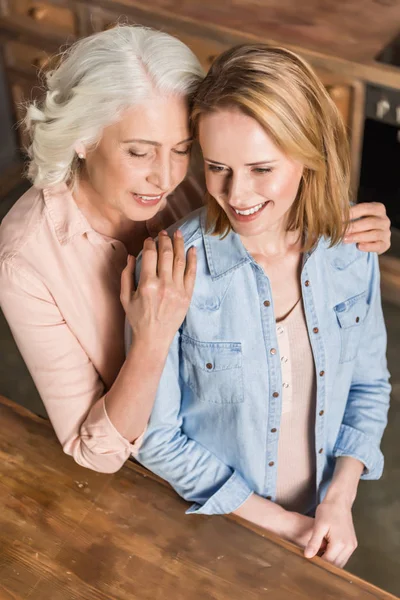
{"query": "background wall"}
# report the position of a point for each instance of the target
(8, 146)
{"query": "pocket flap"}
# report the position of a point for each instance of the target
(212, 356)
(351, 312)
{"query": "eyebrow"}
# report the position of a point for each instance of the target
(152, 143)
(255, 164)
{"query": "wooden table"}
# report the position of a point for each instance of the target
(67, 533)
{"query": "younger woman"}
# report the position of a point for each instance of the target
(275, 393)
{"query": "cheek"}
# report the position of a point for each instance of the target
(214, 184)
(282, 187)
(180, 170)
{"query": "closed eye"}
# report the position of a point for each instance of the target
(215, 168)
(263, 170)
(183, 152)
(136, 154)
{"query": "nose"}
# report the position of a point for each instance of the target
(161, 173)
(236, 189)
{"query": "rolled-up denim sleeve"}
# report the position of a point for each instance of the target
(365, 416)
(195, 473)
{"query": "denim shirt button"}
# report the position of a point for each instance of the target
(271, 464)
(273, 351)
(267, 303)
(275, 394)
(315, 330)
(320, 450)
(307, 283)
(209, 366)
(321, 373)
(321, 412)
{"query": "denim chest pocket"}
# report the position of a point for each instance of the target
(213, 370)
(350, 315)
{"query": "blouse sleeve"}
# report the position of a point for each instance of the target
(67, 381)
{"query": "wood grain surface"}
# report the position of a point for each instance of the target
(349, 29)
(67, 533)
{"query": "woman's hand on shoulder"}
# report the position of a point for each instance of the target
(370, 227)
(157, 308)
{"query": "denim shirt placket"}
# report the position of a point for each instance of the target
(274, 379)
(318, 350)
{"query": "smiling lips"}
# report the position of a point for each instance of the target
(248, 214)
(147, 200)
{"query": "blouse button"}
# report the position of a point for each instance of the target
(273, 351)
(280, 329)
(267, 303)
(284, 359)
(285, 385)
(275, 394)
(315, 330)
(209, 366)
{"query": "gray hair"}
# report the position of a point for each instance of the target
(98, 78)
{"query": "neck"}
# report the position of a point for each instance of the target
(274, 242)
(108, 220)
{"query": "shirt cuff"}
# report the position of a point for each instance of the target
(353, 442)
(101, 437)
(227, 499)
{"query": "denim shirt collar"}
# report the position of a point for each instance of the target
(223, 254)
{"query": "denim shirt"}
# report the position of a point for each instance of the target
(210, 434)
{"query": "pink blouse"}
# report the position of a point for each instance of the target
(59, 291)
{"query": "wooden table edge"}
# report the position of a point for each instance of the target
(137, 468)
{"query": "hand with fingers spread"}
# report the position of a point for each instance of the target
(369, 227)
(333, 527)
(157, 308)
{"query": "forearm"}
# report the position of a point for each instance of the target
(130, 399)
(346, 477)
(263, 513)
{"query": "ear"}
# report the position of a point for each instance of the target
(80, 150)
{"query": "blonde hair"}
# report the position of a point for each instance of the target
(97, 79)
(282, 93)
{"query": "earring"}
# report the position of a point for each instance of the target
(80, 155)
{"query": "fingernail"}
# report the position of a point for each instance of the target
(178, 233)
(163, 232)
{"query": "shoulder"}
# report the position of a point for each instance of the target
(20, 227)
(342, 256)
(191, 227)
(348, 267)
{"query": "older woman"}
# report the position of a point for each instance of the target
(275, 393)
(110, 143)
